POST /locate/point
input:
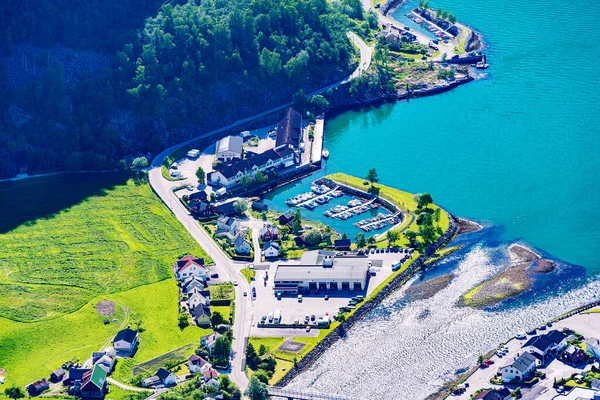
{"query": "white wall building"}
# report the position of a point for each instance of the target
(229, 148)
(520, 369)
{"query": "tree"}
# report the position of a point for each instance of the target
(262, 350)
(222, 348)
(480, 359)
(270, 62)
(140, 162)
(424, 200)
(300, 100)
(201, 175)
(183, 320)
(14, 392)
(371, 240)
(313, 238)
(216, 319)
(213, 197)
(360, 240)
(297, 222)
(318, 104)
(251, 357)
(262, 376)
(240, 206)
(373, 176)
(256, 389)
(392, 236)
(284, 231)
(452, 18)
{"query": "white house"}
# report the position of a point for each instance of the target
(126, 341)
(166, 377)
(196, 299)
(198, 365)
(211, 377)
(241, 245)
(106, 361)
(592, 345)
(227, 224)
(271, 249)
(557, 338)
(192, 284)
(189, 266)
(229, 148)
(269, 232)
(229, 175)
(209, 341)
(520, 369)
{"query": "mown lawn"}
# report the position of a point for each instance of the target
(32, 351)
(248, 273)
(111, 236)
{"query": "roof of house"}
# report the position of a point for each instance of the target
(230, 143)
(201, 310)
(539, 342)
(191, 282)
(342, 243)
(95, 377)
(270, 244)
(287, 216)
(197, 360)
(595, 384)
(493, 394)
(523, 362)
(555, 336)
(312, 267)
(208, 340)
(239, 240)
(187, 261)
(105, 359)
(162, 374)
(252, 159)
(127, 335)
(289, 129)
(210, 373)
(201, 195)
(593, 342)
(59, 372)
(224, 219)
(226, 208)
(40, 385)
(259, 206)
(77, 373)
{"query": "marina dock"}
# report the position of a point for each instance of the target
(351, 210)
(387, 219)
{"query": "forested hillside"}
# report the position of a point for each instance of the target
(198, 65)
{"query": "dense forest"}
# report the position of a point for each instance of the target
(198, 64)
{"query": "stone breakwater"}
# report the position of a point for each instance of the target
(474, 42)
(340, 331)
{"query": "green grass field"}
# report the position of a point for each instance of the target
(76, 240)
(116, 239)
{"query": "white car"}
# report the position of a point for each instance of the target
(307, 328)
(235, 283)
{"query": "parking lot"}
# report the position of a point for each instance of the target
(312, 303)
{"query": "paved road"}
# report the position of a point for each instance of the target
(163, 188)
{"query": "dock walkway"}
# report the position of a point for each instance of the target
(316, 197)
(432, 24)
(390, 217)
(350, 210)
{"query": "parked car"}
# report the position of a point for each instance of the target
(263, 318)
(245, 294)
(235, 283)
(215, 275)
(521, 336)
(313, 317)
(299, 298)
(270, 317)
(296, 321)
(306, 318)
(326, 297)
(307, 328)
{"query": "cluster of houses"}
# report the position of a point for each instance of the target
(230, 229)
(233, 167)
(91, 382)
(196, 365)
(191, 273)
(395, 36)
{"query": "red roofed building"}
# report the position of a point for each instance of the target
(190, 266)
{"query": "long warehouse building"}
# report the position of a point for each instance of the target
(323, 270)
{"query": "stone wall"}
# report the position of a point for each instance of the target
(340, 331)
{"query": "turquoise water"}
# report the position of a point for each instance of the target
(519, 149)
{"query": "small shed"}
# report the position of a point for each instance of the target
(342, 244)
(58, 375)
(260, 207)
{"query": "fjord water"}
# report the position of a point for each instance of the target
(519, 150)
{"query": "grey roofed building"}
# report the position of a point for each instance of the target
(322, 269)
(539, 342)
(231, 145)
(523, 362)
(555, 337)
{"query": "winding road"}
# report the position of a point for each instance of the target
(164, 189)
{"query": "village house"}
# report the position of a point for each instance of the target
(125, 342)
(211, 377)
(107, 362)
(592, 345)
(230, 175)
(201, 315)
(226, 208)
(259, 207)
(201, 208)
(191, 284)
(287, 217)
(394, 36)
(229, 148)
(342, 244)
(542, 346)
(271, 249)
(489, 394)
(93, 385)
(209, 341)
(75, 376)
(200, 196)
(574, 355)
(241, 245)
(269, 232)
(519, 369)
(198, 365)
(190, 266)
(195, 299)
(166, 377)
(38, 387)
(227, 225)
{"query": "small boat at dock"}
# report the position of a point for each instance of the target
(325, 154)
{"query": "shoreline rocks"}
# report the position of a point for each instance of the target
(474, 42)
(466, 226)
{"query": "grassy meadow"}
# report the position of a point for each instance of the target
(71, 241)
(116, 239)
